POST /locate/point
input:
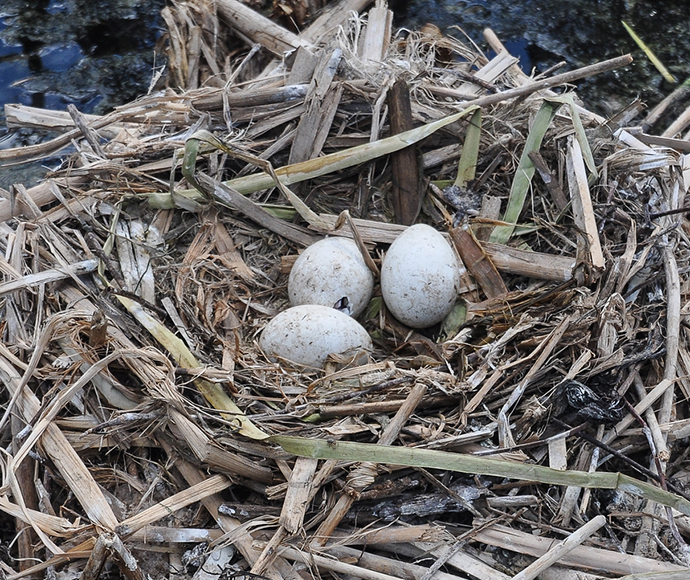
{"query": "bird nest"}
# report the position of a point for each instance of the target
(539, 429)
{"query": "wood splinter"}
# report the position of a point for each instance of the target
(407, 192)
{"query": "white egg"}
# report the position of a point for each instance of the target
(328, 271)
(420, 277)
(307, 334)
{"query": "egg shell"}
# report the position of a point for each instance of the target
(307, 334)
(420, 277)
(329, 270)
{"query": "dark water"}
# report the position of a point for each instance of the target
(580, 32)
(97, 54)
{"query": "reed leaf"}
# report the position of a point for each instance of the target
(580, 135)
(463, 463)
(467, 166)
(340, 160)
(522, 180)
(650, 55)
(212, 392)
(203, 136)
(320, 166)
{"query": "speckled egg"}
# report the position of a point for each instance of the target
(329, 271)
(420, 277)
(307, 334)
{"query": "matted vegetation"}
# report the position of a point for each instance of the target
(145, 431)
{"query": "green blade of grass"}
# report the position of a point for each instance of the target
(525, 171)
(467, 166)
(650, 55)
(463, 463)
(580, 135)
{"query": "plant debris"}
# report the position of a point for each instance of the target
(539, 430)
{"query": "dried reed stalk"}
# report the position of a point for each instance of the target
(133, 294)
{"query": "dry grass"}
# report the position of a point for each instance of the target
(138, 408)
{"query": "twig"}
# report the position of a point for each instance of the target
(531, 444)
(644, 404)
(634, 464)
(660, 468)
(583, 557)
(678, 94)
(362, 475)
(561, 549)
(560, 79)
(292, 514)
(672, 328)
(504, 435)
(90, 135)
